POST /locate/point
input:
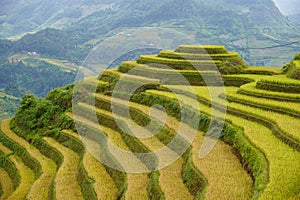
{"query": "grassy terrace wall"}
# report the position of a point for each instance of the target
(195, 49)
(251, 90)
(289, 108)
(128, 82)
(190, 56)
(155, 61)
(230, 80)
(22, 153)
(167, 76)
(280, 84)
(10, 168)
(262, 70)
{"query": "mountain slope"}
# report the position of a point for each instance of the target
(17, 16)
(237, 24)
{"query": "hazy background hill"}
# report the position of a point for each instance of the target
(289, 8)
(19, 16)
(238, 24)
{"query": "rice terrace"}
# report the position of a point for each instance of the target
(256, 155)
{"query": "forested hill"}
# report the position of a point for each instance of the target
(236, 24)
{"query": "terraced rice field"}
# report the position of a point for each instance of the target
(104, 185)
(257, 156)
(6, 183)
(220, 164)
(66, 185)
(42, 186)
(171, 174)
(281, 157)
(27, 176)
(210, 165)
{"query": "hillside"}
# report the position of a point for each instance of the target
(150, 104)
(23, 74)
(287, 7)
(243, 25)
(294, 18)
(18, 17)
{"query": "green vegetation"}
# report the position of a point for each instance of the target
(262, 70)
(250, 89)
(18, 78)
(8, 105)
(21, 74)
(279, 83)
(196, 55)
(292, 69)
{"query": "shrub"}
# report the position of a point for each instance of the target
(293, 70)
(297, 57)
(192, 177)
